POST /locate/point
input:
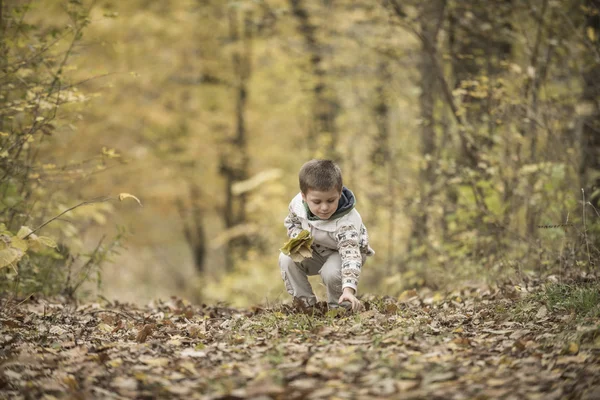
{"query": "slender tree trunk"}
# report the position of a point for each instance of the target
(381, 155)
(235, 161)
(589, 122)
(530, 129)
(193, 227)
(323, 133)
(430, 22)
(3, 53)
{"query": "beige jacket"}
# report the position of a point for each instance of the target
(346, 234)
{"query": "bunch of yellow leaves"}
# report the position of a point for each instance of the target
(298, 248)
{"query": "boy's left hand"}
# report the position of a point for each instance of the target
(348, 295)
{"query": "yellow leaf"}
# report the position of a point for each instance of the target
(105, 328)
(438, 297)
(24, 231)
(407, 295)
(9, 256)
(188, 367)
(48, 242)
(110, 153)
(123, 196)
(573, 348)
(156, 362)
(591, 34)
(140, 376)
(117, 362)
(19, 244)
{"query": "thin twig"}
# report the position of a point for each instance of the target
(87, 265)
(97, 200)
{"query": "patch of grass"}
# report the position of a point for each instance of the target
(583, 300)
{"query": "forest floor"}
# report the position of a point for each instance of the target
(513, 342)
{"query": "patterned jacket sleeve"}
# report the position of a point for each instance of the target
(292, 224)
(347, 238)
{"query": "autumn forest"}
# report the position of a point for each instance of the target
(149, 151)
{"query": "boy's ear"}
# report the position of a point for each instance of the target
(303, 196)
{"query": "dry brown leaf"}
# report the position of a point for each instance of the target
(144, 333)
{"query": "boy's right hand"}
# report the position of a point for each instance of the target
(348, 296)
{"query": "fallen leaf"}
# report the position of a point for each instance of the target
(105, 328)
(438, 377)
(494, 382)
(578, 359)
(407, 295)
(542, 312)
(189, 367)
(155, 362)
(117, 362)
(57, 330)
(573, 348)
(179, 389)
(124, 383)
(144, 333)
(406, 385)
(193, 353)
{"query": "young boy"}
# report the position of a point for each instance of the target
(325, 208)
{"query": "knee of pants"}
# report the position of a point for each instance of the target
(331, 277)
(286, 262)
(284, 265)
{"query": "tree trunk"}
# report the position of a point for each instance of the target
(589, 169)
(193, 227)
(381, 157)
(532, 89)
(430, 22)
(235, 159)
(322, 137)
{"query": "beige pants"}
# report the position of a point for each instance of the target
(328, 264)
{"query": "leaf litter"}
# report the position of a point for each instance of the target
(470, 344)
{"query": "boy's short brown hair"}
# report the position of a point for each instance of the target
(321, 175)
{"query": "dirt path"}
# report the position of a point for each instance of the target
(472, 344)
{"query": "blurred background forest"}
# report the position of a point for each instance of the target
(468, 131)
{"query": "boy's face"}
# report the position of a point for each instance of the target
(322, 204)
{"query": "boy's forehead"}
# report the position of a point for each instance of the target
(322, 193)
